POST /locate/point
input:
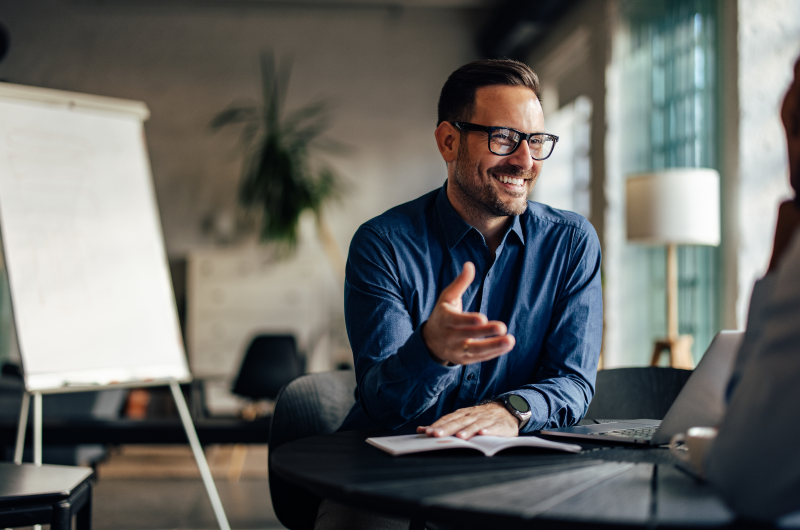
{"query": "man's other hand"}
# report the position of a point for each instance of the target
(456, 337)
(491, 419)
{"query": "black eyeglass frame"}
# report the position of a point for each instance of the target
(464, 126)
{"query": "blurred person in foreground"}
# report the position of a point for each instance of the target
(471, 310)
(755, 461)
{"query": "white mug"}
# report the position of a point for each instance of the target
(696, 443)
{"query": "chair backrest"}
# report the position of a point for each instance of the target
(269, 363)
(636, 393)
(310, 405)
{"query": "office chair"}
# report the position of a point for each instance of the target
(636, 393)
(269, 363)
(310, 405)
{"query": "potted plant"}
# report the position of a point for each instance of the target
(280, 180)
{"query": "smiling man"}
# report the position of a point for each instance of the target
(472, 310)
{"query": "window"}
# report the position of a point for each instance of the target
(566, 175)
(668, 89)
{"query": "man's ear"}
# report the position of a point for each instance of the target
(447, 140)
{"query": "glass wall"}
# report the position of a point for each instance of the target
(566, 176)
(669, 120)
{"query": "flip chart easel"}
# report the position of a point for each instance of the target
(84, 252)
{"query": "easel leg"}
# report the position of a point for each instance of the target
(37, 435)
(22, 427)
(194, 442)
(37, 428)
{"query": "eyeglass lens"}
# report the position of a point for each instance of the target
(504, 141)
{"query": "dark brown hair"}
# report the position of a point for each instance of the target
(457, 100)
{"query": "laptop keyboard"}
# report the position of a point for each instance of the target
(644, 433)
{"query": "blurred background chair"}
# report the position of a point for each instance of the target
(636, 393)
(310, 405)
(269, 363)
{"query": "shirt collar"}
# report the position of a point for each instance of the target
(516, 227)
(455, 228)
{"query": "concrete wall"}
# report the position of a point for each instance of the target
(382, 68)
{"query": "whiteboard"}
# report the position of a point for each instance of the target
(84, 251)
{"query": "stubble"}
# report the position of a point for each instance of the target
(477, 193)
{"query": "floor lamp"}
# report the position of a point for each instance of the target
(673, 207)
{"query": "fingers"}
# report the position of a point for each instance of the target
(471, 344)
(454, 337)
(456, 319)
(480, 350)
(490, 419)
(485, 428)
(459, 333)
(453, 292)
(468, 346)
(500, 428)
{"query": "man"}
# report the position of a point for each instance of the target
(469, 295)
(754, 462)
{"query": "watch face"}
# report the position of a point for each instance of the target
(519, 403)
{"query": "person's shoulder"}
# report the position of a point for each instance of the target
(405, 217)
(546, 216)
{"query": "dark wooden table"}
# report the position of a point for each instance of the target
(45, 494)
(604, 486)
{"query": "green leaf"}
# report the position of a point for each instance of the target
(277, 180)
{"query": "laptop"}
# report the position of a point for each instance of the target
(700, 403)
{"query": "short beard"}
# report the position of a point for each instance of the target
(481, 199)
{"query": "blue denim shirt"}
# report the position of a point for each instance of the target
(543, 282)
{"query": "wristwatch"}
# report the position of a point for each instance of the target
(519, 407)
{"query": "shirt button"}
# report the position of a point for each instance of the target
(470, 377)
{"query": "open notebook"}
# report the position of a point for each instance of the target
(488, 445)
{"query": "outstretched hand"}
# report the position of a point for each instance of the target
(456, 337)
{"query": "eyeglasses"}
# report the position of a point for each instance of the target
(503, 141)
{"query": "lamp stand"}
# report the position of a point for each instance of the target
(678, 346)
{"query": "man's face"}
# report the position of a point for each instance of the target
(489, 184)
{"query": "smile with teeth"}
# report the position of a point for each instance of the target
(510, 180)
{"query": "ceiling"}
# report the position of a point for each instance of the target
(306, 4)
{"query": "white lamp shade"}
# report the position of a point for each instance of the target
(679, 206)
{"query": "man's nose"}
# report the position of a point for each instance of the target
(522, 157)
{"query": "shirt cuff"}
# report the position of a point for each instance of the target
(539, 409)
(417, 359)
